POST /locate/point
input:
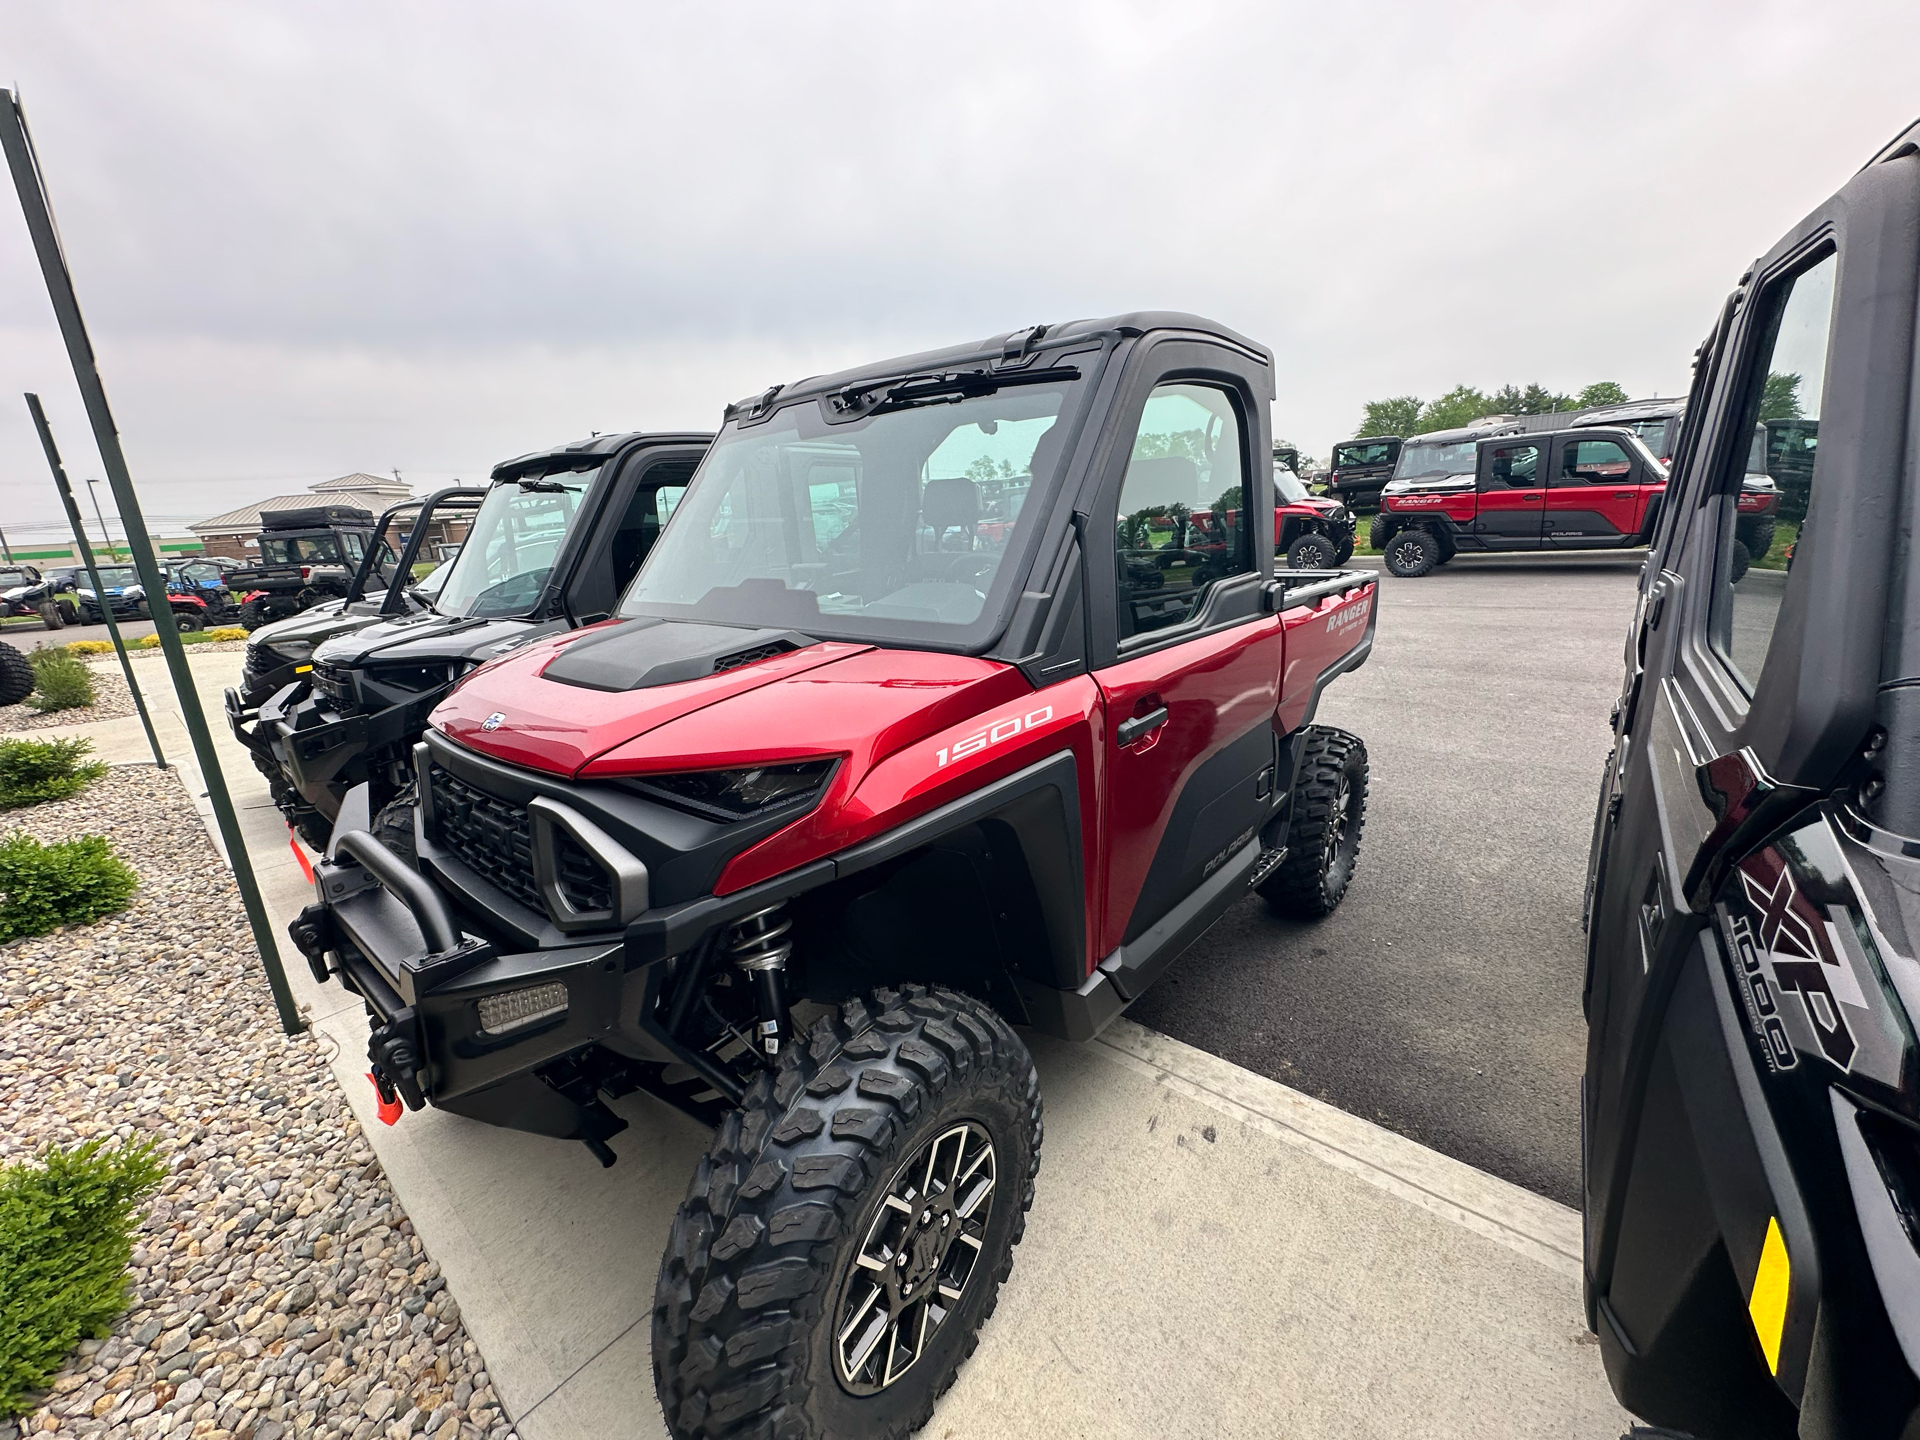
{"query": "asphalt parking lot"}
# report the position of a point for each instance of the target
(1442, 1000)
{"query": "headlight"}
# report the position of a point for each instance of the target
(739, 794)
(1395, 487)
(296, 651)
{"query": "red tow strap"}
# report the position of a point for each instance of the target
(293, 843)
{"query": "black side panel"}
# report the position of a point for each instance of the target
(1223, 805)
(1674, 1333)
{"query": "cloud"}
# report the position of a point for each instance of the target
(314, 239)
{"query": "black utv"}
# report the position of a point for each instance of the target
(306, 556)
(280, 654)
(1361, 468)
(552, 546)
(1751, 1104)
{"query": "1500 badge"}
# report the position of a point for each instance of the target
(994, 734)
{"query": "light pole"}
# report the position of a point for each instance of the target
(105, 534)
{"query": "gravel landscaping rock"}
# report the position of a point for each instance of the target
(113, 701)
(278, 1289)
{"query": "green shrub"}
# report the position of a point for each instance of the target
(43, 887)
(66, 1234)
(32, 771)
(61, 680)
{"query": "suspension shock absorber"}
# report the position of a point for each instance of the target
(760, 945)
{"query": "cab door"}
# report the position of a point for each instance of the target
(1718, 1245)
(1511, 494)
(1185, 653)
(1594, 494)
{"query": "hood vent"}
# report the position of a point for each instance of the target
(643, 653)
(758, 652)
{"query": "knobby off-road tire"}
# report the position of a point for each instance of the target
(189, 620)
(1758, 539)
(1312, 552)
(1739, 564)
(393, 826)
(1323, 837)
(51, 617)
(69, 612)
(1346, 550)
(16, 676)
(1378, 531)
(253, 614)
(760, 1268)
(1412, 553)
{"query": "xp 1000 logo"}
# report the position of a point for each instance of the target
(996, 733)
(1783, 948)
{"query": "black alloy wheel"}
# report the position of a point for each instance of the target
(1412, 553)
(848, 1232)
(1312, 551)
(1323, 833)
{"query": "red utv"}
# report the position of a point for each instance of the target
(842, 749)
(1577, 489)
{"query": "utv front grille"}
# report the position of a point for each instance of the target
(494, 839)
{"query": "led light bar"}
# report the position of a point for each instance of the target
(513, 1009)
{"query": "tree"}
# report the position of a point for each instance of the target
(1461, 405)
(1536, 399)
(984, 468)
(1393, 416)
(1602, 392)
(1780, 400)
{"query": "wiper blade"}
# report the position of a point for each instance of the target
(945, 388)
(539, 485)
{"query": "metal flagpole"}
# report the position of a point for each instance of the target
(93, 570)
(29, 183)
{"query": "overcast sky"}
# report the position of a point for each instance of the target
(313, 239)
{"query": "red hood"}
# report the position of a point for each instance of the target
(1318, 504)
(826, 699)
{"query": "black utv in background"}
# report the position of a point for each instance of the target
(552, 547)
(1751, 1104)
(280, 655)
(306, 556)
(1361, 468)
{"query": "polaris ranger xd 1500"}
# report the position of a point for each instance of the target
(552, 546)
(839, 748)
(1751, 1104)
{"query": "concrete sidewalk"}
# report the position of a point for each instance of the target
(1210, 1253)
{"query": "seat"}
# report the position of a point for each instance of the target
(952, 503)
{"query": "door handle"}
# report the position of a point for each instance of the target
(1623, 494)
(1141, 725)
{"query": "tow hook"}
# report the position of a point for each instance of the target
(396, 1060)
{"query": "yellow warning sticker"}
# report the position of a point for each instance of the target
(1768, 1303)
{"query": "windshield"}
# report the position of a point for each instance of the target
(12, 578)
(299, 550)
(1454, 457)
(888, 527)
(1757, 452)
(1286, 485)
(115, 576)
(1362, 454)
(504, 563)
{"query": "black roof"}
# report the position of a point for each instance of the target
(581, 454)
(1008, 346)
(1369, 440)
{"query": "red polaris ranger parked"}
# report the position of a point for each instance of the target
(858, 779)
